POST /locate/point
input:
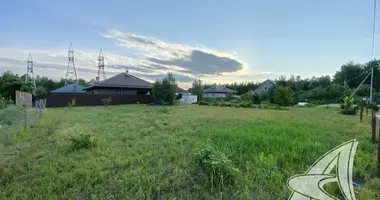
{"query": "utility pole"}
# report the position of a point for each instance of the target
(101, 72)
(373, 47)
(71, 73)
(29, 77)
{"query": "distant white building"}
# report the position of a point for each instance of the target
(264, 86)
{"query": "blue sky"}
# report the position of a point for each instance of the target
(217, 41)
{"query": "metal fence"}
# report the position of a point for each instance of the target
(14, 118)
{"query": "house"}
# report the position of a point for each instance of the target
(218, 92)
(264, 86)
(69, 89)
(121, 84)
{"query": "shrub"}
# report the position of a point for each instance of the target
(215, 103)
(177, 102)
(83, 141)
(349, 107)
(107, 101)
(259, 106)
(72, 103)
(216, 165)
(204, 103)
(252, 106)
(208, 99)
(223, 104)
(4, 102)
(256, 98)
(247, 97)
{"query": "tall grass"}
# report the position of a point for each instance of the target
(185, 152)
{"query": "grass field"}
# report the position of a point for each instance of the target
(181, 152)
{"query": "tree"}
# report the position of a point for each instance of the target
(164, 90)
(283, 95)
(41, 91)
(247, 97)
(256, 98)
(9, 83)
(198, 89)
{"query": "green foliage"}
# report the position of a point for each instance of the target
(164, 90)
(230, 96)
(283, 96)
(204, 103)
(148, 153)
(348, 107)
(198, 89)
(72, 103)
(215, 103)
(107, 101)
(82, 141)
(247, 97)
(209, 99)
(216, 165)
(256, 98)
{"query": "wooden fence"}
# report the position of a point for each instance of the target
(63, 100)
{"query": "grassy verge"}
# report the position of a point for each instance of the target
(187, 152)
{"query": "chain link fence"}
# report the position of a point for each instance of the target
(14, 118)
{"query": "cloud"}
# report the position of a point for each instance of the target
(183, 58)
(150, 59)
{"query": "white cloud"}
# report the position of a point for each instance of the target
(154, 59)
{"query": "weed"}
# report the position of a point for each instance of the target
(82, 141)
(72, 103)
(216, 165)
(107, 101)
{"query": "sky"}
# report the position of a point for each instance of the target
(216, 41)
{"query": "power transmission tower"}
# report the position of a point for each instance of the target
(29, 77)
(71, 73)
(101, 71)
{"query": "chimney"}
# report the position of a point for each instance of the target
(127, 72)
(97, 79)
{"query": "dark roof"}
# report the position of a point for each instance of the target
(123, 80)
(219, 89)
(180, 90)
(70, 88)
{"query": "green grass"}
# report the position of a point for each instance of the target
(182, 152)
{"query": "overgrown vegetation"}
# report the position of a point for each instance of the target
(184, 152)
(72, 103)
(283, 96)
(198, 89)
(348, 107)
(107, 101)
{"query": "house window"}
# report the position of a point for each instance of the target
(265, 88)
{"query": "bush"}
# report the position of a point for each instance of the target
(208, 99)
(215, 103)
(348, 106)
(4, 102)
(259, 106)
(247, 97)
(83, 141)
(256, 98)
(252, 106)
(72, 103)
(216, 165)
(223, 104)
(177, 102)
(107, 101)
(204, 103)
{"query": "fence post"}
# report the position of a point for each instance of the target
(373, 127)
(25, 117)
(361, 114)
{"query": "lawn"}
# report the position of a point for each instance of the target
(180, 152)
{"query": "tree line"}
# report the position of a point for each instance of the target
(318, 90)
(324, 89)
(10, 82)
